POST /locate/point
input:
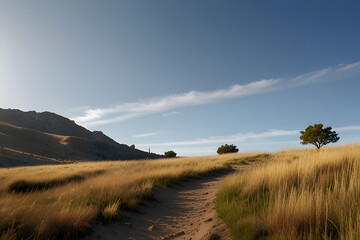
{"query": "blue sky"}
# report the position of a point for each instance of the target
(186, 75)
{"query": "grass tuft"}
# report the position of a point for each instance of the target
(111, 211)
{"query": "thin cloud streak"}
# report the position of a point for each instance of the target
(170, 113)
(347, 129)
(242, 137)
(342, 71)
(145, 135)
(126, 111)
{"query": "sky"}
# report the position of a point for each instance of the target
(186, 75)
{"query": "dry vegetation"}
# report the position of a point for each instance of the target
(62, 201)
(301, 194)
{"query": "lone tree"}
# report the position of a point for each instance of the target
(227, 149)
(170, 154)
(318, 136)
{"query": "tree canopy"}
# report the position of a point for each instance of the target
(318, 136)
(227, 149)
(170, 154)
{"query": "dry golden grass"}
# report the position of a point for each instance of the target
(111, 211)
(301, 194)
(61, 201)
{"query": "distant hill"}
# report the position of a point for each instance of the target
(31, 138)
(51, 123)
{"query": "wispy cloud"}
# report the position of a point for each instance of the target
(170, 113)
(342, 71)
(346, 67)
(145, 135)
(347, 129)
(126, 111)
(241, 137)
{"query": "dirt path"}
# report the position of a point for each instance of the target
(183, 211)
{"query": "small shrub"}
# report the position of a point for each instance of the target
(170, 154)
(227, 149)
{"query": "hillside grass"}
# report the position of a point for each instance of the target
(62, 201)
(300, 194)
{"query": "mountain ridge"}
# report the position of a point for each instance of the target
(52, 136)
(51, 123)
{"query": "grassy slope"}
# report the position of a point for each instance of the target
(23, 147)
(301, 194)
(39, 147)
(58, 201)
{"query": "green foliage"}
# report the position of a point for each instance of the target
(318, 136)
(227, 149)
(170, 154)
(132, 146)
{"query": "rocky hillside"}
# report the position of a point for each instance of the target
(51, 123)
(29, 137)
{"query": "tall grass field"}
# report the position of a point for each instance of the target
(299, 194)
(63, 201)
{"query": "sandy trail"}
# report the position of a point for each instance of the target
(183, 211)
